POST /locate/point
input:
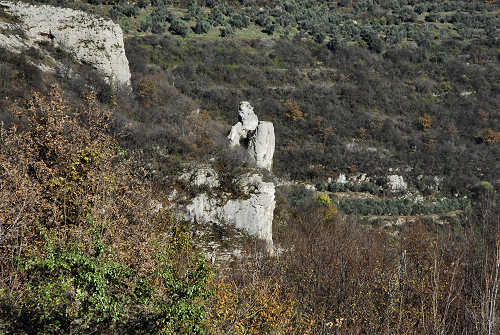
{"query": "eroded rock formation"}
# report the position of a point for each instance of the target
(257, 137)
(89, 39)
(253, 215)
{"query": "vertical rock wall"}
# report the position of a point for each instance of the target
(89, 39)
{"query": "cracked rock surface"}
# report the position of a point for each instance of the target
(89, 39)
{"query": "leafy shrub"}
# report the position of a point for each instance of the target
(324, 199)
(182, 306)
(194, 10)
(217, 17)
(227, 31)
(239, 21)
(335, 44)
(178, 27)
(143, 3)
(201, 27)
(399, 206)
(69, 288)
(267, 306)
(162, 15)
(365, 186)
(372, 40)
(120, 10)
(158, 28)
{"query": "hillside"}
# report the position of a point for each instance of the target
(125, 208)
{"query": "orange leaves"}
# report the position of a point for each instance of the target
(147, 91)
(425, 121)
(293, 111)
(259, 306)
(322, 128)
(492, 136)
(488, 136)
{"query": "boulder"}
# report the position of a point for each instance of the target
(89, 39)
(236, 134)
(342, 179)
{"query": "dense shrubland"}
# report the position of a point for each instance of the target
(406, 105)
(416, 82)
(82, 251)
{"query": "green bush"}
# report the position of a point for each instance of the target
(74, 288)
(399, 206)
(239, 21)
(226, 31)
(157, 28)
(183, 309)
(194, 10)
(217, 17)
(202, 27)
(69, 287)
(335, 44)
(365, 186)
(178, 27)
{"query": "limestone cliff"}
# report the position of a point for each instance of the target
(251, 213)
(89, 39)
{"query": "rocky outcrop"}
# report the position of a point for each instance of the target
(248, 122)
(257, 137)
(247, 116)
(89, 39)
(199, 176)
(253, 215)
(396, 183)
(261, 145)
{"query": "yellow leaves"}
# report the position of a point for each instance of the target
(332, 213)
(322, 128)
(425, 121)
(259, 307)
(324, 199)
(492, 136)
(293, 111)
(147, 91)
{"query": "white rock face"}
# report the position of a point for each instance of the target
(396, 183)
(261, 145)
(342, 179)
(236, 134)
(247, 116)
(260, 136)
(253, 215)
(248, 122)
(91, 40)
